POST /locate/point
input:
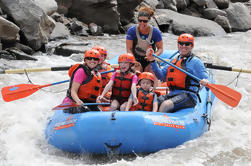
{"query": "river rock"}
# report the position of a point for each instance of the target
(49, 6)
(222, 4)
(239, 17)
(20, 55)
(31, 19)
(181, 23)
(8, 30)
(103, 13)
(59, 32)
(212, 13)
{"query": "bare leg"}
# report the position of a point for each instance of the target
(123, 106)
(114, 105)
(166, 106)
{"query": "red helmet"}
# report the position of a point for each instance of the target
(146, 75)
(92, 53)
(101, 50)
(128, 57)
(185, 37)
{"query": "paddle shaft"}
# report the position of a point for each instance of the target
(62, 68)
(187, 73)
(87, 104)
(211, 66)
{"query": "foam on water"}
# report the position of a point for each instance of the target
(22, 122)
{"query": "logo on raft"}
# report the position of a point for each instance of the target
(166, 121)
(70, 122)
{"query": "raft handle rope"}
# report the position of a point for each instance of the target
(236, 78)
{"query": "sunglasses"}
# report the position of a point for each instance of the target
(90, 58)
(185, 43)
(144, 21)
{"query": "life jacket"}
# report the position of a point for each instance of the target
(89, 89)
(105, 66)
(141, 45)
(121, 88)
(145, 100)
(176, 79)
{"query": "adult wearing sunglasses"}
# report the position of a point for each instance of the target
(143, 35)
(183, 89)
(85, 82)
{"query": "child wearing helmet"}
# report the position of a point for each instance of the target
(85, 82)
(103, 65)
(122, 83)
(146, 97)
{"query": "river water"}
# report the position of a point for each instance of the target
(22, 122)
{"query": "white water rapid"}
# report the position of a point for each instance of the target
(228, 143)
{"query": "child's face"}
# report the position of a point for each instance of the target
(102, 58)
(145, 84)
(124, 66)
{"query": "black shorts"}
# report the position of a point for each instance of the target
(180, 101)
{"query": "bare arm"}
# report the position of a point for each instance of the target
(129, 104)
(107, 88)
(155, 106)
(74, 92)
(134, 91)
(129, 44)
(159, 46)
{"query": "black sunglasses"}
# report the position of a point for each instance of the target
(90, 58)
(185, 43)
(144, 21)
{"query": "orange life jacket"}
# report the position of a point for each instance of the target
(105, 66)
(145, 100)
(89, 89)
(121, 89)
(176, 79)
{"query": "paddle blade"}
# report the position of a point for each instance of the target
(225, 94)
(15, 92)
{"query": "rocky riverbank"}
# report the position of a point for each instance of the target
(26, 26)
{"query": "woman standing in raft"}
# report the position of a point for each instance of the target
(143, 35)
(183, 89)
(122, 83)
(85, 83)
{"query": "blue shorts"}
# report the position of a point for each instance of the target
(180, 101)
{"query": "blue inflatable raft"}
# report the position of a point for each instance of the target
(129, 132)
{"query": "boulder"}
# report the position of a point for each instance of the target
(63, 6)
(180, 23)
(8, 30)
(211, 4)
(49, 6)
(182, 4)
(31, 19)
(239, 17)
(126, 10)
(200, 3)
(170, 4)
(103, 13)
(212, 13)
(224, 23)
(222, 4)
(60, 31)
